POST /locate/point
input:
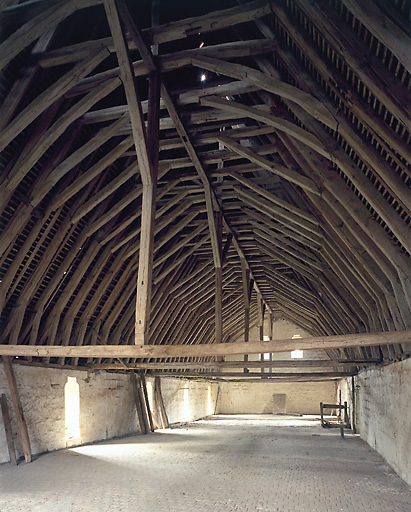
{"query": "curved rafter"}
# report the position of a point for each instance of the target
(282, 185)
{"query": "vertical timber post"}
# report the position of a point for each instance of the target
(245, 272)
(18, 409)
(8, 430)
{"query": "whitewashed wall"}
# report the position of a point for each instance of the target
(257, 397)
(188, 400)
(383, 406)
(107, 407)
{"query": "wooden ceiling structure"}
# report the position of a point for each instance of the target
(174, 172)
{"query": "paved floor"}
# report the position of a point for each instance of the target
(230, 463)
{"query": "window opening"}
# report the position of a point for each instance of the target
(297, 354)
(72, 409)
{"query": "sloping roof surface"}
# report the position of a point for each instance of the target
(296, 154)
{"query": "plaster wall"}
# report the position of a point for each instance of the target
(383, 397)
(107, 406)
(268, 397)
(259, 397)
(188, 400)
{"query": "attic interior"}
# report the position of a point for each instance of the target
(191, 191)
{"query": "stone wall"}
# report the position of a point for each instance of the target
(265, 397)
(188, 400)
(107, 407)
(383, 412)
(277, 397)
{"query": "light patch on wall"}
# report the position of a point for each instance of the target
(72, 408)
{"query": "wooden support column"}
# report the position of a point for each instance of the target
(147, 157)
(270, 336)
(138, 404)
(147, 402)
(219, 283)
(159, 396)
(18, 409)
(354, 406)
(7, 428)
(245, 272)
(261, 311)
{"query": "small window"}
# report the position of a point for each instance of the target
(297, 354)
(72, 408)
(266, 356)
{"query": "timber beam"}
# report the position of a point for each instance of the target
(210, 365)
(215, 349)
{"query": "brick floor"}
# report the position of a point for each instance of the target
(226, 464)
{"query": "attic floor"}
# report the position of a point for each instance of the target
(228, 463)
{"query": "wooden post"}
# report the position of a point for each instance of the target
(261, 310)
(245, 272)
(157, 408)
(142, 405)
(137, 402)
(18, 409)
(219, 283)
(270, 335)
(7, 428)
(146, 145)
(346, 421)
(147, 402)
(354, 412)
(161, 403)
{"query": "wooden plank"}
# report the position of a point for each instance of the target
(278, 123)
(8, 430)
(49, 180)
(18, 409)
(278, 375)
(354, 56)
(211, 202)
(359, 179)
(144, 406)
(218, 305)
(146, 401)
(201, 350)
(159, 395)
(380, 130)
(137, 402)
(132, 95)
(272, 197)
(273, 167)
(23, 82)
(344, 90)
(213, 365)
(36, 26)
(145, 266)
(28, 158)
(147, 156)
(270, 84)
(247, 289)
(49, 96)
(173, 31)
